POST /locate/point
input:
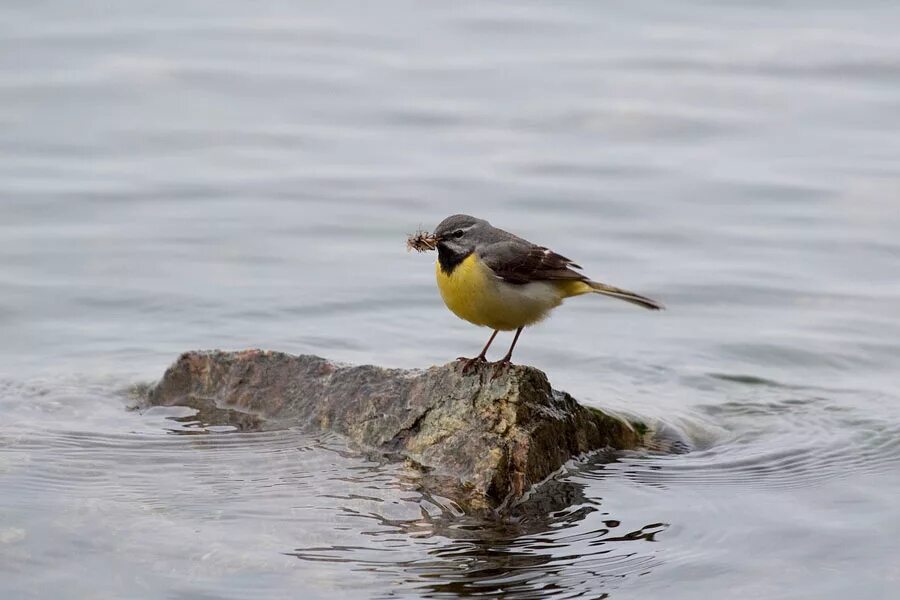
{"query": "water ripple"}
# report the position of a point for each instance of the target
(794, 438)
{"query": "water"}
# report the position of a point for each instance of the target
(228, 174)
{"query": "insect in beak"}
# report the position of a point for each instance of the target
(422, 241)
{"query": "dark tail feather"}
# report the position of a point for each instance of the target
(608, 290)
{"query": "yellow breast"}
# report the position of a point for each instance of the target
(475, 294)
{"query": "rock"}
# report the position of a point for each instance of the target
(483, 441)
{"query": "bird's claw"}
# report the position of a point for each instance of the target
(501, 366)
(470, 363)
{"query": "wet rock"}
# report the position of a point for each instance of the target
(479, 439)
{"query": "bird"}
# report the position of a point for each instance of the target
(493, 278)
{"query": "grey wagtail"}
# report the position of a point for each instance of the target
(493, 278)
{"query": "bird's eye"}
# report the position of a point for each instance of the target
(458, 233)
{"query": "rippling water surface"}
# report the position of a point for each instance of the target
(229, 174)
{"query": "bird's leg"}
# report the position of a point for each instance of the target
(468, 363)
(504, 362)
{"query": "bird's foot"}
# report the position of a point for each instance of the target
(471, 363)
(501, 366)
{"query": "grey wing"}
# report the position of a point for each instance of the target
(519, 261)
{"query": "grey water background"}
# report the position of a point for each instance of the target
(230, 174)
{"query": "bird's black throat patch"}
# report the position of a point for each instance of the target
(448, 259)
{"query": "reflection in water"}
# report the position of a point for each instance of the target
(575, 551)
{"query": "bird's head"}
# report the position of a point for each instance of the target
(457, 234)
